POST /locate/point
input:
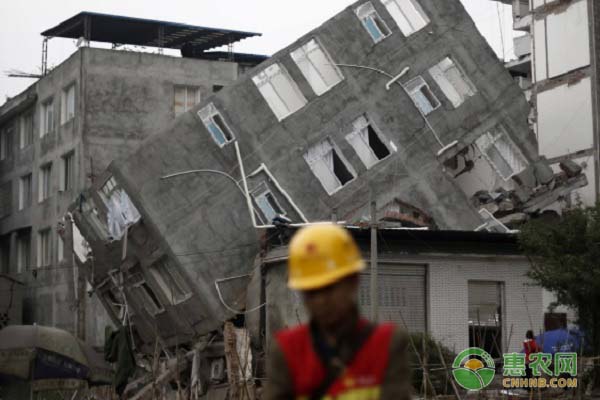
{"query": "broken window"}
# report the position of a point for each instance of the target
(170, 281)
(501, 152)
(317, 67)
(43, 248)
(26, 132)
(452, 81)
(45, 182)
(328, 164)
(372, 22)
(485, 316)
(47, 117)
(279, 90)
(408, 14)
(422, 95)
(67, 104)
(25, 191)
(267, 203)
(214, 123)
(121, 211)
(67, 174)
(367, 143)
(144, 293)
(186, 97)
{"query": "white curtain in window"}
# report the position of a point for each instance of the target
(359, 140)
(121, 214)
(316, 66)
(452, 81)
(279, 91)
(320, 159)
(407, 14)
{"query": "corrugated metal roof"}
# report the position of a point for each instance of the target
(144, 32)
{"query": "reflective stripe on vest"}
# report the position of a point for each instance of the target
(362, 378)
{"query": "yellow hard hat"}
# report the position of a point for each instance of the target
(321, 255)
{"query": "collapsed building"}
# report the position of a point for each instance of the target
(398, 102)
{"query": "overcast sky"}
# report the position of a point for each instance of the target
(280, 22)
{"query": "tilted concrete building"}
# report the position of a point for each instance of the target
(399, 102)
(59, 135)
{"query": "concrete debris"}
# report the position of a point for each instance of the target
(571, 168)
(543, 172)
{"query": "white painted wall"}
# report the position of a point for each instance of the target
(562, 42)
(448, 298)
(565, 122)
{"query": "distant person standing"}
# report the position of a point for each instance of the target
(530, 346)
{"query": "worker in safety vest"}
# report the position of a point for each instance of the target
(338, 354)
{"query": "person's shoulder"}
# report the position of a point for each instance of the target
(293, 333)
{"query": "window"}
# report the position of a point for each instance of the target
(279, 90)
(453, 82)
(6, 135)
(121, 212)
(213, 121)
(372, 22)
(23, 252)
(422, 96)
(501, 152)
(217, 88)
(316, 66)
(186, 97)
(67, 175)
(60, 247)
(144, 293)
(367, 143)
(485, 301)
(267, 203)
(43, 248)
(5, 199)
(170, 282)
(47, 117)
(408, 14)
(328, 164)
(25, 188)
(45, 182)
(67, 104)
(26, 132)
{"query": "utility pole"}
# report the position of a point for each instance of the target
(374, 272)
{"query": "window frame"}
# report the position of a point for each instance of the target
(342, 158)
(437, 73)
(417, 7)
(187, 88)
(25, 201)
(262, 189)
(207, 115)
(423, 84)
(23, 258)
(503, 133)
(305, 56)
(44, 190)
(174, 275)
(23, 134)
(47, 127)
(263, 78)
(44, 248)
(67, 173)
(144, 292)
(65, 103)
(369, 13)
(380, 136)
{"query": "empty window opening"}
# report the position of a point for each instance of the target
(186, 97)
(317, 67)
(408, 14)
(279, 91)
(171, 282)
(67, 176)
(6, 141)
(485, 316)
(215, 124)
(501, 152)
(26, 131)
(45, 182)
(372, 22)
(144, 293)
(44, 248)
(329, 166)
(23, 252)
(25, 191)
(47, 117)
(367, 143)
(452, 81)
(422, 95)
(67, 104)
(267, 203)
(217, 88)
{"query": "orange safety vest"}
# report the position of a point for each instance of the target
(362, 378)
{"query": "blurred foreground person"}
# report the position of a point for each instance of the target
(338, 354)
